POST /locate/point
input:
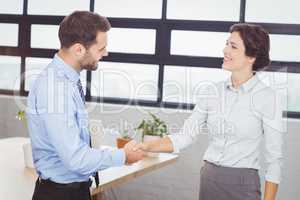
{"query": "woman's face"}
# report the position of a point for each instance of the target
(235, 58)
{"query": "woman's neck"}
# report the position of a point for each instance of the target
(239, 78)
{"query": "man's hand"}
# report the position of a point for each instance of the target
(142, 146)
(133, 154)
(158, 145)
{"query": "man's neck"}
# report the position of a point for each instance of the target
(68, 59)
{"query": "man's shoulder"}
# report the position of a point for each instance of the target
(52, 78)
(50, 74)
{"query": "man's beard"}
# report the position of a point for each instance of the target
(87, 64)
(90, 66)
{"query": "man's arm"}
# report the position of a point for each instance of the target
(63, 133)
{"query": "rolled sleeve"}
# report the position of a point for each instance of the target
(274, 154)
(273, 173)
(274, 131)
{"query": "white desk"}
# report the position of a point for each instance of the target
(17, 181)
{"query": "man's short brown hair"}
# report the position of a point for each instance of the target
(81, 27)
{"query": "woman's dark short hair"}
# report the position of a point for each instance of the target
(81, 27)
(257, 43)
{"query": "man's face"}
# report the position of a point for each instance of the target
(95, 52)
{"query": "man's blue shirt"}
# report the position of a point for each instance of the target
(58, 127)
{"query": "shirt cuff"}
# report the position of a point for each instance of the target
(272, 179)
(273, 173)
(118, 157)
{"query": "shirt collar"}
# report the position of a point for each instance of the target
(68, 70)
(245, 87)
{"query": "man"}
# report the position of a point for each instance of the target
(58, 121)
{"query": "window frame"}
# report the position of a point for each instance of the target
(161, 56)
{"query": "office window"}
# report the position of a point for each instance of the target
(183, 84)
(9, 34)
(10, 72)
(125, 80)
(34, 67)
(11, 7)
(287, 84)
(45, 36)
(56, 7)
(293, 92)
(273, 11)
(228, 10)
(197, 43)
(285, 47)
(129, 8)
(131, 40)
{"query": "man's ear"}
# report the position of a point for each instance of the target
(78, 50)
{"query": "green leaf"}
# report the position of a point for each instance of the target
(153, 126)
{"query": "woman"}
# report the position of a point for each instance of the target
(240, 113)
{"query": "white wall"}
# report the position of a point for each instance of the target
(178, 181)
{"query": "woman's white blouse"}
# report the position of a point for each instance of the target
(236, 121)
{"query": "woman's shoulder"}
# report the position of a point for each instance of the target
(263, 91)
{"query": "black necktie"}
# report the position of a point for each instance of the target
(79, 86)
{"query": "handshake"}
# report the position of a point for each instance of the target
(134, 151)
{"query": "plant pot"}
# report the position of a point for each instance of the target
(151, 138)
(121, 142)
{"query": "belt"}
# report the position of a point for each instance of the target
(73, 185)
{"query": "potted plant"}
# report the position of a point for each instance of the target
(123, 139)
(21, 115)
(152, 129)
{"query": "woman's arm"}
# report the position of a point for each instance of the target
(160, 145)
(187, 135)
(270, 190)
(274, 131)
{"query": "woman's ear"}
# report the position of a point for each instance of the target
(251, 60)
